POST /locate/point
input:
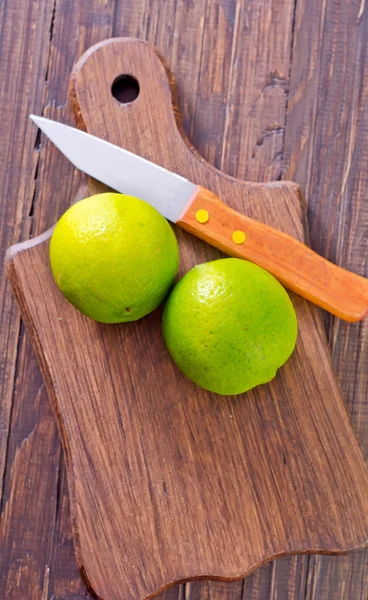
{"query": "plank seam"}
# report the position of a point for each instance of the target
(287, 89)
(20, 336)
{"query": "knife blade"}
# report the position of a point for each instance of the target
(202, 213)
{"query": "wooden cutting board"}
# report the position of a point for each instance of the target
(168, 482)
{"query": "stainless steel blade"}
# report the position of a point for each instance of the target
(123, 171)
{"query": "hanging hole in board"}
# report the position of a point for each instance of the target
(125, 89)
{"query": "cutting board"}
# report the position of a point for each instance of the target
(167, 481)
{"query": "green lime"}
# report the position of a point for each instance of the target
(114, 257)
(229, 325)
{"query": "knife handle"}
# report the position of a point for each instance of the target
(294, 264)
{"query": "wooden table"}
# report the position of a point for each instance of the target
(269, 89)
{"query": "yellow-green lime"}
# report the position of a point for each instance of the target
(229, 325)
(114, 257)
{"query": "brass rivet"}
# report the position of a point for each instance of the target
(238, 237)
(202, 215)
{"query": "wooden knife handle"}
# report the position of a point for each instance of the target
(295, 265)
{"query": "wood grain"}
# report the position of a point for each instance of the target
(19, 95)
(284, 578)
(257, 90)
(326, 151)
(27, 427)
(278, 447)
(23, 556)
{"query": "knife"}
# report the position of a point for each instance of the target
(199, 211)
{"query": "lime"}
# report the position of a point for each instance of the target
(229, 325)
(114, 257)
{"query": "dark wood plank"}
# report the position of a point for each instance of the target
(24, 409)
(254, 127)
(327, 153)
(221, 24)
(131, 18)
(24, 42)
(213, 590)
(30, 486)
(65, 580)
(284, 578)
(344, 578)
(184, 55)
(77, 26)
